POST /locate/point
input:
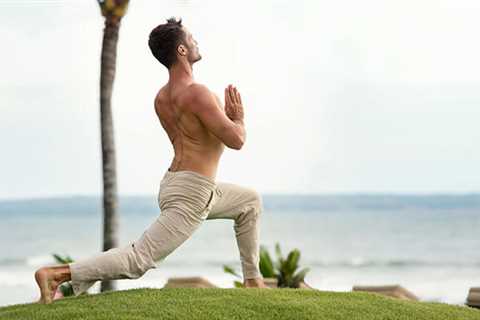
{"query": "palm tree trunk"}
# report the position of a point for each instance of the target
(110, 201)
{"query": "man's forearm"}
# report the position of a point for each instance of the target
(242, 133)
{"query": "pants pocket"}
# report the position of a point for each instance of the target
(209, 202)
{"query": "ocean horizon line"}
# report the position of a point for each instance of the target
(267, 194)
(272, 202)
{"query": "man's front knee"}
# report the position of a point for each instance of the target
(254, 206)
(257, 202)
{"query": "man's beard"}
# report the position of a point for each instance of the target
(195, 58)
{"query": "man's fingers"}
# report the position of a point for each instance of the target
(232, 94)
(228, 100)
(235, 94)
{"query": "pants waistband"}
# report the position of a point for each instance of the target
(202, 177)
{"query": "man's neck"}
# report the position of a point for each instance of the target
(181, 72)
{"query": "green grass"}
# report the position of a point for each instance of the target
(236, 304)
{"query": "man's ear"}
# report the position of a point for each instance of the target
(182, 50)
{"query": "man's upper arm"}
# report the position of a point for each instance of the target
(203, 104)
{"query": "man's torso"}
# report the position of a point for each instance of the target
(196, 148)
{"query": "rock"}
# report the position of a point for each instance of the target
(473, 299)
(395, 291)
(271, 282)
(189, 282)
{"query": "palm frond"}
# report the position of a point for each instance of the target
(60, 259)
(300, 276)
(266, 265)
(291, 264)
(230, 270)
(113, 8)
(278, 251)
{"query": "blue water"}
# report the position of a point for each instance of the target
(427, 244)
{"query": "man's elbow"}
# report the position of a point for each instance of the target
(239, 147)
(238, 144)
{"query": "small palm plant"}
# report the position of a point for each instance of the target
(285, 270)
(288, 275)
(66, 288)
(230, 270)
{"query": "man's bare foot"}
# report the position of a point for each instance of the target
(48, 279)
(255, 283)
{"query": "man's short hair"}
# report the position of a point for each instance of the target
(164, 40)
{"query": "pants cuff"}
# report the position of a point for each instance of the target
(78, 286)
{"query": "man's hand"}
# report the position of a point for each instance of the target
(233, 103)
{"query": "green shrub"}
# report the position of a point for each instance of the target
(285, 270)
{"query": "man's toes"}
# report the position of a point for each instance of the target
(44, 300)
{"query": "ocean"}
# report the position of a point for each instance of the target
(429, 244)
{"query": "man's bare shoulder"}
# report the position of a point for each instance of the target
(197, 95)
(160, 100)
(162, 95)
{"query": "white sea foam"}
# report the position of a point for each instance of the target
(40, 260)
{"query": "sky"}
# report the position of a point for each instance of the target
(339, 96)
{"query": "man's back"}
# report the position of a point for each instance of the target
(196, 147)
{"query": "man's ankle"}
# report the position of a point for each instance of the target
(62, 273)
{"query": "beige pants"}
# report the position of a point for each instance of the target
(186, 199)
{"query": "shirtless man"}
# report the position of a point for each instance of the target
(199, 128)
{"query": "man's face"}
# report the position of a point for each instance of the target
(192, 46)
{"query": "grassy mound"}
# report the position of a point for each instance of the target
(236, 304)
